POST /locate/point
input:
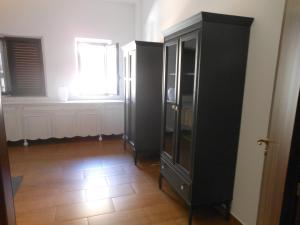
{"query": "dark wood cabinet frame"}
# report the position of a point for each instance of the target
(219, 75)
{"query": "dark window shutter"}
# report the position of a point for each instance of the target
(26, 68)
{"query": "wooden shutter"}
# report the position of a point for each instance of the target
(26, 68)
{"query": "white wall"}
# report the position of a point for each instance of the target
(58, 22)
(264, 42)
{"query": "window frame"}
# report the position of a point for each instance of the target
(98, 42)
(5, 67)
(10, 80)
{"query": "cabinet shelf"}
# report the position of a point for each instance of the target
(171, 102)
(187, 137)
(189, 74)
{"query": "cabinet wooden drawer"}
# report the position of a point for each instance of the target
(182, 187)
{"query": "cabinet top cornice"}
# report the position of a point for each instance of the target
(209, 17)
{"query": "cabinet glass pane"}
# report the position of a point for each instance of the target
(169, 132)
(188, 55)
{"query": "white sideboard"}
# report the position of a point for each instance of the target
(32, 121)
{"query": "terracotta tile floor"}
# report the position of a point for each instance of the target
(94, 183)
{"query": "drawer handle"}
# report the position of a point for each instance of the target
(182, 187)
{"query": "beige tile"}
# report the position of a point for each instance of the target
(95, 182)
(126, 179)
(82, 164)
(181, 221)
(106, 171)
(69, 197)
(73, 222)
(134, 217)
(108, 192)
(138, 201)
(83, 210)
(145, 187)
(60, 178)
(165, 212)
(30, 193)
(117, 160)
(33, 205)
(51, 177)
(81, 184)
(40, 217)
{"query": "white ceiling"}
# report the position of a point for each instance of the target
(124, 1)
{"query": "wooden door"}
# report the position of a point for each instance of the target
(282, 120)
(7, 211)
(291, 192)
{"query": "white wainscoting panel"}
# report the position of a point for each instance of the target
(13, 123)
(37, 125)
(89, 123)
(64, 124)
(62, 119)
(113, 119)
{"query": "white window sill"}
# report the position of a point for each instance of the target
(8, 100)
(89, 98)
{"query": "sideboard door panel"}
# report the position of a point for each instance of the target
(64, 124)
(37, 126)
(113, 119)
(88, 123)
(13, 126)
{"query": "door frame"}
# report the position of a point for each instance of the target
(282, 119)
(7, 210)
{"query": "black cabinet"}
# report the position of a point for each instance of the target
(204, 73)
(143, 93)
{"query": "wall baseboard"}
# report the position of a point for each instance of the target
(236, 220)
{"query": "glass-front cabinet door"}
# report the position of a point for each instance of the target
(170, 60)
(186, 87)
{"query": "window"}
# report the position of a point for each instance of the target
(97, 70)
(21, 67)
(3, 69)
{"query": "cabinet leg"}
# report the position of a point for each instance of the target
(100, 138)
(227, 210)
(124, 142)
(191, 216)
(160, 181)
(124, 145)
(25, 143)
